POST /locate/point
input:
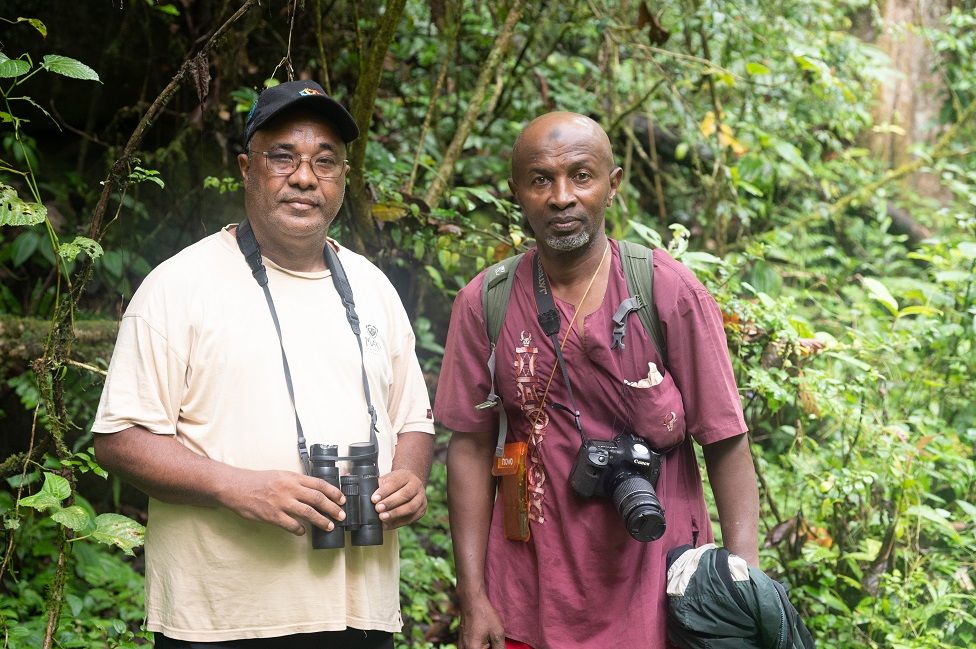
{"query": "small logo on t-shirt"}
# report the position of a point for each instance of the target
(371, 340)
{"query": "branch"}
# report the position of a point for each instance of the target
(940, 150)
(362, 112)
(440, 183)
(120, 168)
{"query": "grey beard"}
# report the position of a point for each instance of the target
(567, 244)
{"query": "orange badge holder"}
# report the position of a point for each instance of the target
(511, 468)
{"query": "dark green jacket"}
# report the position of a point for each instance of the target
(716, 601)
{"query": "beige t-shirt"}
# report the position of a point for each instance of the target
(197, 356)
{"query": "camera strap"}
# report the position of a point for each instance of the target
(249, 247)
(550, 322)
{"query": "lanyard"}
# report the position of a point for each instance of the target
(252, 253)
(549, 320)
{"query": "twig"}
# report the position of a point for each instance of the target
(432, 106)
(439, 185)
(86, 366)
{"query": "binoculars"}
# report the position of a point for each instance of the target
(362, 521)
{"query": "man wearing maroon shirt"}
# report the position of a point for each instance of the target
(581, 580)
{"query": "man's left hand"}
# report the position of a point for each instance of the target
(400, 498)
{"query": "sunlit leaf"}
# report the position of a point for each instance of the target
(36, 24)
(68, 67)
(118, 530)
(70, 251)
(792, 155)
(74, 518)
(879, 292)
(53, 491)
(756, 68)
(919, 309)
(12, 67)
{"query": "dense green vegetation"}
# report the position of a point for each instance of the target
(743, 130)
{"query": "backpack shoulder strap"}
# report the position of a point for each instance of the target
(496, 290)
(638, 263)
(495, 293)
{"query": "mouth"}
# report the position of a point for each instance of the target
(565, 224)
(298, 203)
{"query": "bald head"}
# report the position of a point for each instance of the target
(560, 129)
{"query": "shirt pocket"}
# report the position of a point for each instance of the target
(655, 412)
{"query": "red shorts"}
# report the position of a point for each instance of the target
(515, 644)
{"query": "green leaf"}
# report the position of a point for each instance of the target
(681, 151)
(949, 276)
(54, 490)
(756, 68)
(792, 155)
(23, 247)
(118, 530)
(16, 211)
(650, 236)
(12, 67)
(878, 291)
(167, 9)
(74, 518)
(36, 24)
(919, 309)
(861, 365)
(68, 67)
(69, 251)
(968, 249)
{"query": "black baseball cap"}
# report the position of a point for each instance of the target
(299, 93)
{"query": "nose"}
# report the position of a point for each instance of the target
(562, 195)
(303, 177)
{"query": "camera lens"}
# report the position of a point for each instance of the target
(637, 503)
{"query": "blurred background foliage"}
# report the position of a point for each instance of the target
(812, 161)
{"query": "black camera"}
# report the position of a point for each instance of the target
(625, 470)
(362, 520)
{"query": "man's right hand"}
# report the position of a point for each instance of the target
(283, 498)
(481, 628)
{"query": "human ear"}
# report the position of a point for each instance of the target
(244, 162)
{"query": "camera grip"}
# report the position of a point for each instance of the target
(511, 468)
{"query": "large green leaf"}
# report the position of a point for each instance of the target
(792, 155)
(12, 67)
(880, 292)
(118, 530)
(16, 211)
(54, 490)
(74, 518)
(68, 67)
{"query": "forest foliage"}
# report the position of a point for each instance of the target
(742, 128)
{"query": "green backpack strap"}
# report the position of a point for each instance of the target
(638, 263)
(495, 293)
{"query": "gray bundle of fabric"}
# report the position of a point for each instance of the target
(716, 601)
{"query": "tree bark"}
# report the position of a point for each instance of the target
(358, 200)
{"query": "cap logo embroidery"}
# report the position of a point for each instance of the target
(309, 91)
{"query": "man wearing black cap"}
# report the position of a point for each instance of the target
(237, 356)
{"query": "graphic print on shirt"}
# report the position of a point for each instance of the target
(529, 393)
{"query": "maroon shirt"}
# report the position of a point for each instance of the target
(581, 580)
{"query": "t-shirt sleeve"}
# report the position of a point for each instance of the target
(464, 379)
(145, 383)
(698, 353)
(408, 402)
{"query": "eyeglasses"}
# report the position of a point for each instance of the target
(283, 163)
